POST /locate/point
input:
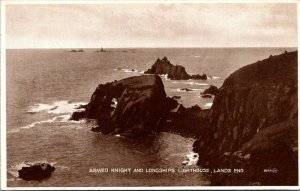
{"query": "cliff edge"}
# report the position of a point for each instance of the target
(254, 124)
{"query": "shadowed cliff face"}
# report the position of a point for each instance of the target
(253, 124)
(163, 66)
(129, 106)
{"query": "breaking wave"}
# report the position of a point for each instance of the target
(64, 108)
(213, 77)
(58, 107)
(190, 83)
(13, 169)
(207, 105)
(191, 159)
(187, 89)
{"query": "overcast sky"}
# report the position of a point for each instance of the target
(151, 25)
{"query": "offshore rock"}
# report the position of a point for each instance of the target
(254, 124)
(187, 121)
(130, 106)
(77, 115)
(164, 66)
(212, 90)
(36, 171)
(206, 96)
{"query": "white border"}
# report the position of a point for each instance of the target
(3, 101)
(3, 97)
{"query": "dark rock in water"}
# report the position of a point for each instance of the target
(186, 89)
(206, 96)
(37, 171)
(171, 103)
(253, 125)
(163, 66)
(81, 106)
(77, 115)
(212, 90)
(187, 121)
(54, 108)
(96, 129)
(176, 97)
(141, 107)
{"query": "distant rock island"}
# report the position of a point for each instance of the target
(164, 67)
(252, 124)
(74, 50)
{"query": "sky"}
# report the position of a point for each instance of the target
(118, 25)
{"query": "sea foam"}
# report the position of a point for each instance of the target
(191, 159)
(126, 70)
(190, 83)
(64, 108)
(13, 169)
(207, 105)
(58, 107)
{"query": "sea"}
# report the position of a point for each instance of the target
(44, 87)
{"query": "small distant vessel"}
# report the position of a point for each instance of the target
(101, 50)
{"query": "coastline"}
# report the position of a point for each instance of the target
(209, 117)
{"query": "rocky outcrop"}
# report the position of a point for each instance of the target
(187, 121)
(253, 125)
(176, 97)
(36, 171)
(164, 66)
(77, 115)
(129, 106)
(212, 90)
(185, 89)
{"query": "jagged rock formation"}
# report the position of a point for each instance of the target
(36, 171)
(187, 121)
(253, 124)
(130, 106)
(164, 66)
(212, 90)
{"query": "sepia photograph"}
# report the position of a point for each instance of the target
(149, 94)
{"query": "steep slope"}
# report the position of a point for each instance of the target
(253, 124)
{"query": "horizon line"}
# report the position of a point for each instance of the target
(154, 47)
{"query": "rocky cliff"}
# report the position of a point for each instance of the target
(129, 106)
(253, 124)
(187, 122)
(164, 66)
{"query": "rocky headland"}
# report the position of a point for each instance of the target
(164, 67)
(253, 125)
(131, 106)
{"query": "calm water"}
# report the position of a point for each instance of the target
(44, 87)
